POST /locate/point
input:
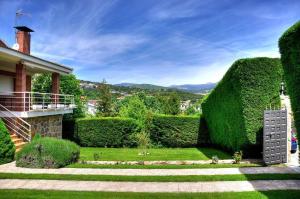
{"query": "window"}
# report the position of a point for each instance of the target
(6, 85)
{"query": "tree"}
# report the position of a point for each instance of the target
(136, 109)
(174, 104)
(104, 104)
(7, 147)
(68, 85)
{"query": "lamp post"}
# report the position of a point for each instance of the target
(282, 88)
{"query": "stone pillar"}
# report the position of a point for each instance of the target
(20, 87)
(55, 87)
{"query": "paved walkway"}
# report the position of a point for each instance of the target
(228, 186)
(11, 168)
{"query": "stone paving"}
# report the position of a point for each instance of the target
(11, 168)
(227, 186)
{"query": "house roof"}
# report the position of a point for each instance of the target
(32, 61)
(2, 43)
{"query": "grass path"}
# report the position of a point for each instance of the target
(131, 154)
(33, 194)
(193, 178)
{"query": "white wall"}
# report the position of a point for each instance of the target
(6, 84)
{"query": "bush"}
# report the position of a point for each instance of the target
(289, 45)
(175, 131)
(7, 147)
(234, 109)
(47, 152)
(106, 132)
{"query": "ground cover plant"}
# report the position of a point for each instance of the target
(47, 152)
(132, 154)
(7, 147)
(191, 166)
(234, 109)
(289, 45)
(17, 194)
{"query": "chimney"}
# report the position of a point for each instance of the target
(23, 38)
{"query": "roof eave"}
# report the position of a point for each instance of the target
(37, 62)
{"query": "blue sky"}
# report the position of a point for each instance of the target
(151, 41)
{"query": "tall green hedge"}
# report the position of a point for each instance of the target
(175, 131)
(234, 109)
(106, 132)
(289, 45)
(7, 147)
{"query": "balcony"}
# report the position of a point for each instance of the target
(26, 104)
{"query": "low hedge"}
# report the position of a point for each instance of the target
(234, 109)
(106, 132)
(47, 152)
(7, 147)
(289, 45)
(175, 131)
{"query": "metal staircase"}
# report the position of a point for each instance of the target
(20, 130)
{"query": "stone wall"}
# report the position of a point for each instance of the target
(50, 126)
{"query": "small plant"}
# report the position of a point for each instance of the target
(96, 156)
(143, 141)
(237, 157)
(214, 159)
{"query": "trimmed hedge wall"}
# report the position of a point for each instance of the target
(175, 131)
(289, 45)
(234, 109)
(7, 147)
(105, 132)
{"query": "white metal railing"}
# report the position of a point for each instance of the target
(34, 101)
(15, 124)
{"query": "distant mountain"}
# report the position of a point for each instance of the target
(142, 86)
(195, 88)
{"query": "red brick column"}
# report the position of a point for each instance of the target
(55, 86)
(20, 87)
(28, 83)
(28, 95)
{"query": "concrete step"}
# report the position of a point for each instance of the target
(19, 142)
(19, 146)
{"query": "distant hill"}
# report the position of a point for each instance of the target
(195, 88)
(142, 86)
(192, 88)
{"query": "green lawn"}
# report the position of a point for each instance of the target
(33, 194)
(192, 178)
(131, 154)
(194, 166)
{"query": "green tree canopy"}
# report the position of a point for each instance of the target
(105, 103)
(68, 85)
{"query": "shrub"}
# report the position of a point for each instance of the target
(47, 152)
(106, 132)
(7, 147)
(237, 157)
(234, 109)
(175, 131)
(289, 45)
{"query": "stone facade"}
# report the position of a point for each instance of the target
(50, 126)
